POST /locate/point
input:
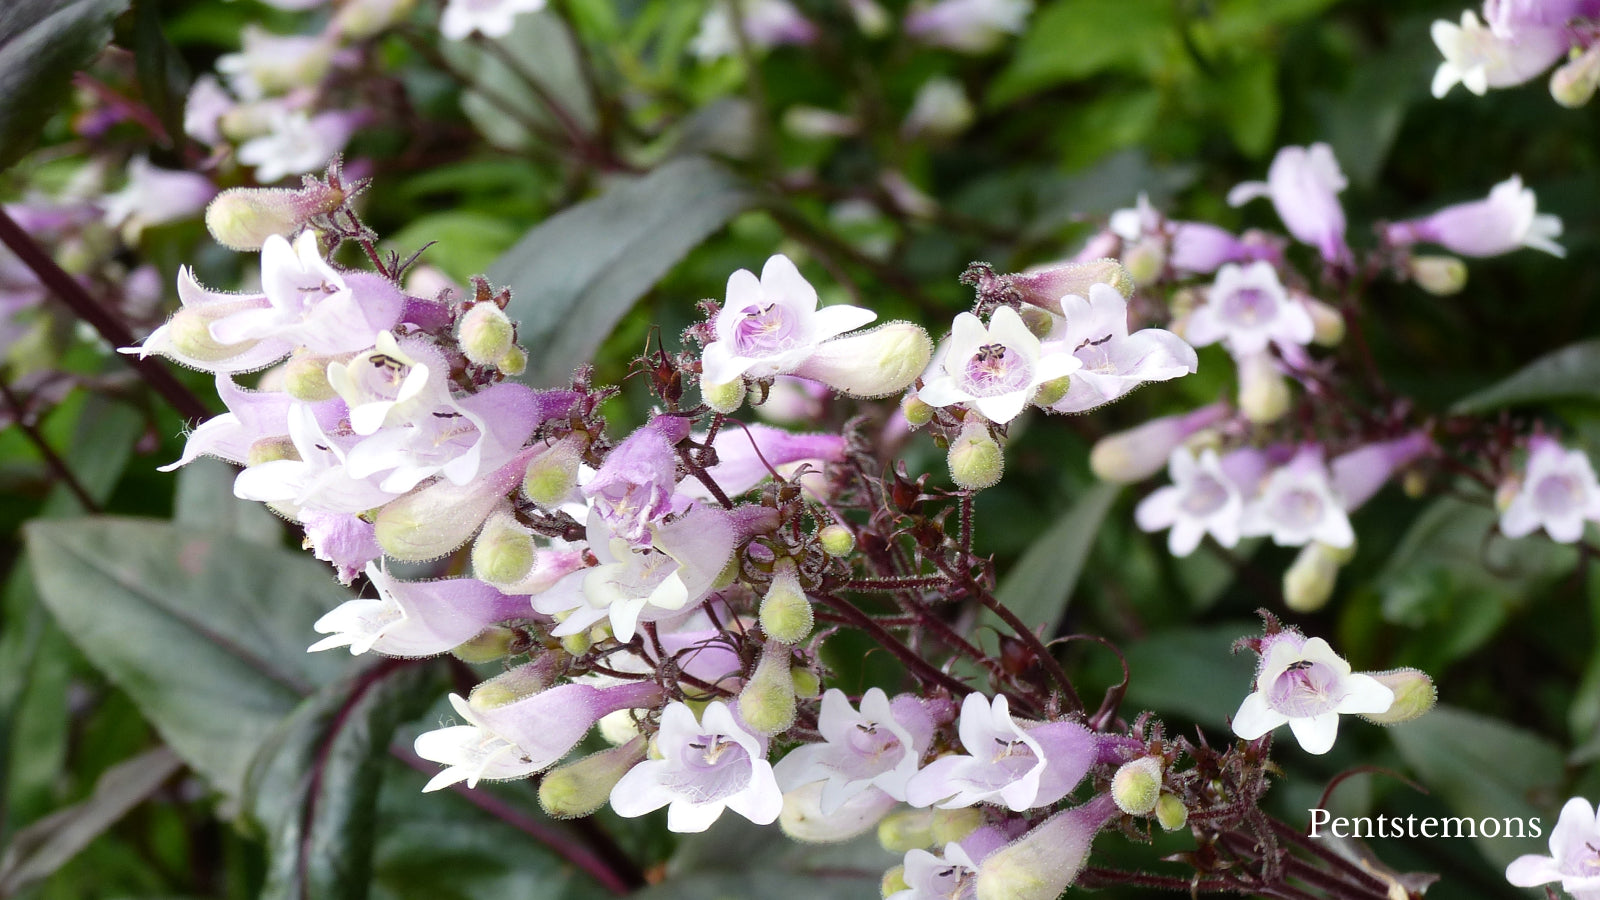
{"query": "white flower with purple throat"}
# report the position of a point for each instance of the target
(1574, 858)
(1247, 309)
(1305, 684)
(1558, 493)
(706, 766)
(771, 326)
(996, 370)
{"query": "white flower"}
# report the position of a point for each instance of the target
(1304, 184)
(971, 26)
(296, 143)
(1477, 57)
(772, 326)
(511, 741)
(1558, 493)
(952, 875)
(1304, 683)
(317, 480)
(1005, 764)
(1574, 858)
(491, 18)
(996, 370)
(1247, 309)
(274, 63)
(1114, 362)
(380, 384)
(1298, 505)
(1507, 220)
(880, 747)
(941, 108)
(155, 196)
(767, 23)
(706, 766)
(1201, 499)
(415, 618)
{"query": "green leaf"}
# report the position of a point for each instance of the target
(536, 48)
(42, 42)
(205, 632)
(1191, 672)
(163, 78)
(1073, 39)
(733, 861)
(1039, 586)
(205, 502)
(1483, 768)
(577, 273)
(39, 850)
(316, 784)
(1571, 373)
(1247, 98)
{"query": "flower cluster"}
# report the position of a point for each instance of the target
(1515, 42)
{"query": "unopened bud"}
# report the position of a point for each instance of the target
(1171, 812)
(1145, 262)
(1414, 694)
(515, 684)
(803, 819)
(916, 412)
(976, 460)
(270, 449)
(725, 398)
(1263, 391)
(583, 786)
(767, 703)
(952, 825)
(1439, 275)
(361, 19)
(836, 540)
(1051, 392)
(873, 363)
(1136, 454)
(1044, 288)
(513, 362)
(432, 521)
(190, 333)
(305, 378)
(243, 218)
(807, 685)
(553, 474)
(813, 122)
(1327, 323)
(485, 334)
(577, 644)
(1310, 579)
(491, 644)
(1043, 863)
(894, 881)
(1414, 484)
(619, 727)
(785, 612)
(910, 829)
(1573, 84)
(1038, 321)
(1137, 785)
(504, 552)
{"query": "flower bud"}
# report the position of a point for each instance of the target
(952, 825)
(1051, 392)
(910, 829)
(941, 109)
(976, 461)
(428, 523)
(485, 334)
(1263, 391)
(305, 378)
(553, 474)
(807, 685)
(270, 449)
(802, 818)
(836, 540)
(490, 644)
(190, 333)
(872, 363)
(1327, 323)
(1171, 812)
(360, 19)
(1044, 288)
(1136, 454)
(814, 122)
(1144, 261)
(1137, 785)
(916, 412)
(578, 643)
(785, 611)
(1573, 84)
(767, 703)
(504, 552)
(725, 398)
(1414, 694)
(894, 881)
(1043, 863)
(1439, 275)
(243, 218)
(530, 678)
(1039, 322)
(513, 362)
(1309, 580)
(582, 787)
(619, 727)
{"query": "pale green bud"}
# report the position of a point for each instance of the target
(1043, 863)
(360, 19)
(428, 523)
(1145, 261)
(894, 881)
(976, 461)
(1414, 695)
(1439, 275)
(485, 334)
(1038, 321)
(305, 378)
(1327, 323)
(1573, 84)
(836, 540)
(725, 398)
(553, 474)
(802, 818)
(1414, 483)
(1309, 581)
(491, 644)
(952, 825)
(1051, 392)
(619, 727)
(873, 363)
(504, 551)
(513, 362)
(916, 412)
(807, 685)
(190, 333)
(270, 449)
(243, 218)
(512, 685)
(1263, 391)
(1137, 785)
(1171, 812)
(577, 644)
(785, 611)
(910, 829)
(583, 786)
(767, 701)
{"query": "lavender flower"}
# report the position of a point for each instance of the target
(706, 766)
(1005, 763)
(1305, 684)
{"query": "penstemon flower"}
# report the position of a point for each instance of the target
(995, 370)
(707, 766)
(1005, 764)
(1304, 684)
(1573, 859)
(878, 747)
(1248, 310)
(1557, 492)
